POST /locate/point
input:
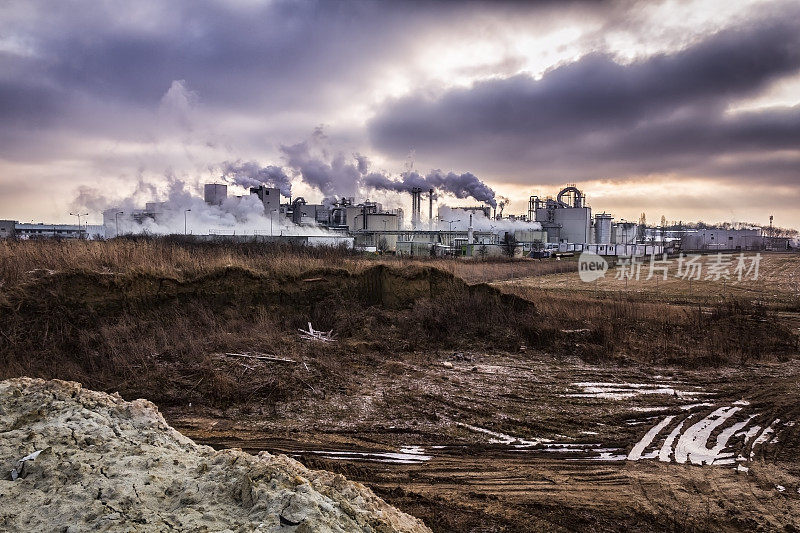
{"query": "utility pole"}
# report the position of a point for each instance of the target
(79, 215)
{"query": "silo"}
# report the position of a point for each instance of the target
(602, 228)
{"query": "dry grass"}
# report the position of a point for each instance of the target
(146, 317)
(168, 257)
(184, 258)
(691, 324)
(777, 286)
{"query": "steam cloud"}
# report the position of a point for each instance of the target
(332, 174)
(251, 174)
(335, 174)
(465, 185)
(312, 161)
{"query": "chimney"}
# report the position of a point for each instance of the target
(416, 207)
(469, 231)
(430, 210)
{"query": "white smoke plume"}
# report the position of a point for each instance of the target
(251, 174)
(175, 210)
(313, 161)
(480, 222)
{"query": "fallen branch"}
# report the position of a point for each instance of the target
(315, 335)
(261, 357)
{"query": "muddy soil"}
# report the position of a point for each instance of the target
(517, 442)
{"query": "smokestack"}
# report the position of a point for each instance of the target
(469, 231)
(416, 207)
(430, 210)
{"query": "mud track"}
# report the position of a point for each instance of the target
(503, 442)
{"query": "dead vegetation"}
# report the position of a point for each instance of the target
(627, 330)
(145, 316)
(181, 257)
(153, 334)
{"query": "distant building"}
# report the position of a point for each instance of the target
(50, 231)
(269, 196)
(7, 228)
(215, 193)
(715, 239)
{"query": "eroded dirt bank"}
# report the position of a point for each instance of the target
(98, 463)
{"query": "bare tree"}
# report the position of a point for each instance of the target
(510, 245)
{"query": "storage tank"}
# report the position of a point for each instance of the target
(602, 228)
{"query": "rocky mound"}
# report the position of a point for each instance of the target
(110, 465)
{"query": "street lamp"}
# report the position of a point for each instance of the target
(184, 220)
(79, 215)
(116, 221)
(450, 231)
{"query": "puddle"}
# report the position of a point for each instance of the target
(689, 441)
(623, 391)
(406, 455)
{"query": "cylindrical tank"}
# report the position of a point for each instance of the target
(602, 228)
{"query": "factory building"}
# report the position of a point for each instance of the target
(562, 224)
(269, 196)
(303, 213)
(379, 230)
(26, 231)
(215, 193)
(120, 222)
(565, 219)
(715, 239)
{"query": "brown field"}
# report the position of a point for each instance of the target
(777, 286)
(440, 354)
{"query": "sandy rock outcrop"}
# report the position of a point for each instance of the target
(111, 465)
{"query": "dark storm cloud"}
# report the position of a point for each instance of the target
(106, 91)
(273, 53)
(99, 70)
(31, 103)
(596, 116)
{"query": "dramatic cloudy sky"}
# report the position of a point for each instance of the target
(690, 109)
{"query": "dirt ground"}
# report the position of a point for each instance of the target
(529, 401)
(516, 442)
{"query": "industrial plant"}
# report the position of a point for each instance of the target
(552, 225)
